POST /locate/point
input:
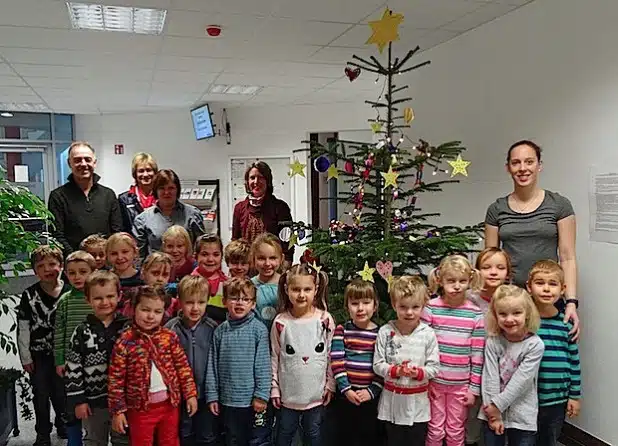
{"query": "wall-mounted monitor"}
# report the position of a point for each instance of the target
(202, 122)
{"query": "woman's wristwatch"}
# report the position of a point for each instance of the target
(573, 301)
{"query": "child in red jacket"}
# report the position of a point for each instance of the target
(148, 373)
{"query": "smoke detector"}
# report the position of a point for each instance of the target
(213, 30)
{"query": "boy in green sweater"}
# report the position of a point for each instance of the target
(71, 311)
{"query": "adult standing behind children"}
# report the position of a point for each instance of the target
(140, 196)
(150, 225)
(534, 224)
(82, 206)
(261, 211)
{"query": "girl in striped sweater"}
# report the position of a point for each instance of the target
(351, 357)
(459, 327)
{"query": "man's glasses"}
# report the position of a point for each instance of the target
(242, 300)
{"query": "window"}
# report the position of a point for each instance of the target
(63, 127)
(26, 126)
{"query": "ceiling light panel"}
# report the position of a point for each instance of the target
(235, 89)
(116, 18)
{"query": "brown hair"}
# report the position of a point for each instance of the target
(79, 144)
(178, 231)
(320, 278)
(264, 238)
(408, 287)
(43, 251)
(101, 278)
(265, 171)
(156, 258)
(92, 241)
(192, 285)
(458, 264)
(490, 252)
(234, 286)
(141, 158)
(207, 239)
(150, 292)
(120, 237)
(237, 251)
(546, 266)
(524, 142)
(508, 292)
(163, 178)
(360, 289)
(82, 256)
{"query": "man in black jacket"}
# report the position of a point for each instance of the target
(82, 206)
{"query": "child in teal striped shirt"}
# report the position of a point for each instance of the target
(559, 375)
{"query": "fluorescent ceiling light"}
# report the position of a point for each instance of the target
(116, 18)
(6, 114)
(24, 107)
(235, 89)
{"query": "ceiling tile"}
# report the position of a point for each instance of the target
(485, 14)
(196, 64)
(431, 13)
(77, 58)
(299, 32)
(347, 11)
(48, 14)
(257, 7)
(195, 87)
(7, 92)
(5, 70)
(173, 100)
(358, 36)
(273, 81)
(300, 69)
(11, 81)
(184, 77)
(225, 97)
(436, 37)
(235, 27)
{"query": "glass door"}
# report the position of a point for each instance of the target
(27, 167)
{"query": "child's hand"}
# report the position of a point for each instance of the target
(492, 412)
(82, 411)
(497, 426)
(573, 408)
(214, 408)
(469, 399)
(326, 397)
(192, 406)
(29, 367)
(363, 395)
(353, 397)
(277, 403)
(60, 370)
(411, 371)
(119, 423)
(259, 405)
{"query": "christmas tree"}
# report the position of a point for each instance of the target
(386, 233)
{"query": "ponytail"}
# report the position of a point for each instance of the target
(320, 279)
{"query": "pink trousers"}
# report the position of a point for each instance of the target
(448, 415)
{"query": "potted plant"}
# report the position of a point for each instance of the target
(17, 205)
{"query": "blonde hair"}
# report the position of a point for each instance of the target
(360, 289)
(507, 293)
(141, 158)
(101, 278)
(237, 251)
(408, 287)
(156, 258)
(546, 266)
(268, 239)
(44, 251)
(320, 278)
(192, 285)
(178, 232)
(490, 252)
(93, 241)
(120, 237)
(457, 264)
(82, 256)
(234, 286)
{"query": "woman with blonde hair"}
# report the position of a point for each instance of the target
(140, 196)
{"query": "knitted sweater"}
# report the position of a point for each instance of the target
(87, 359)
(238, 367)
(131, 364)
(71, 311)
(266, 301)
(351, 357)
(461, 338)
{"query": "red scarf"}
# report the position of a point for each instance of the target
(145, 201)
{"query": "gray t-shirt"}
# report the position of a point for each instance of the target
(510, 377)
(532, 236)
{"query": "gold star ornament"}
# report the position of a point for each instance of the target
(332, 172)
(459, 167)
(297, 168)
(367, 273)
(390, 177)
(385, 30)
(376, 127)
(293, 240)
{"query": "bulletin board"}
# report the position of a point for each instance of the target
(282, 184)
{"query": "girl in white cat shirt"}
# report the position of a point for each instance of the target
(300, 337)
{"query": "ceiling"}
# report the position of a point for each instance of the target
(295, 49)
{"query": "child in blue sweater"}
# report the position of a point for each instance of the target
(238, 374)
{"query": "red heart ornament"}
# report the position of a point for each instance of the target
(352, 73)
(385, 269)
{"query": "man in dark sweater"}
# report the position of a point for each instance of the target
(82, 206)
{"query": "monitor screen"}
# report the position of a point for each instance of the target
(202, 122)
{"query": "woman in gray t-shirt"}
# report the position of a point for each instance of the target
(534, 224)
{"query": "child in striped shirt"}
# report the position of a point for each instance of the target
(352, 363)
(459, 327)
(559, 375)
(407, 358)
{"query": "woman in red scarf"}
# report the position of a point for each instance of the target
(261, 211)
(139, 197)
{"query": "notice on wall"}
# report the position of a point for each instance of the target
(21, 173)
(603, 196)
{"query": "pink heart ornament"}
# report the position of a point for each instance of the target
(385, 269)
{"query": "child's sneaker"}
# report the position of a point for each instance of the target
(61, 431)
(42, 441)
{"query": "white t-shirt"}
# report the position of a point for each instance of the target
(156, 380)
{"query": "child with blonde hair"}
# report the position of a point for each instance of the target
(95, 246)
(176, 242)
(236, 256)
(513, 354)
(121, 252)
(459, 327)
(407, 358)
(266, 258)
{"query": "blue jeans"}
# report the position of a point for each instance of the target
(200, 429)
(74, 433)
(262, 427)
(237, 423)
(549, 424)
(516, 437)
(310, 419)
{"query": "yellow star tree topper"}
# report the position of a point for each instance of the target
(367, 273)
(385, 30)
(459, 166)
(297, 168)
(390, 177)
